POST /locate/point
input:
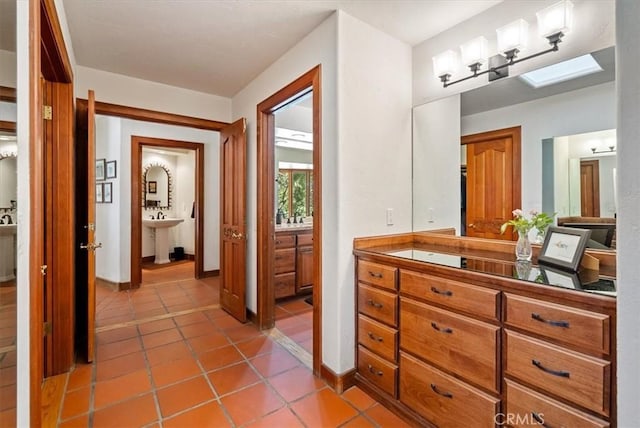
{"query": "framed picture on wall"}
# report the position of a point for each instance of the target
(153, 187)
(100, 169)
(99, 193)
(111, 169)
(106, 193)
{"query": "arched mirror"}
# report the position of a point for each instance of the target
(156, 191)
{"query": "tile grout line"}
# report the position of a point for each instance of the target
(156, 318)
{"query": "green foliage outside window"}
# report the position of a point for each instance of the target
(295, 192)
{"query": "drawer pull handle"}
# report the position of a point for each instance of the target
(444, 394)
(374, 337)
(443, 293)
(279, 257)
(440, 329)
(559, 373)
(278, 241)
(374, 304)
(537, 317)
(539, 419)
(373, 370)
(375, 275)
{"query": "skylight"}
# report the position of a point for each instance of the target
(562, 71)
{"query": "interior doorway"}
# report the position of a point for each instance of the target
(162, 197)
(289, 252)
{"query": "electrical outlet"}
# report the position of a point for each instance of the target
(389, 216)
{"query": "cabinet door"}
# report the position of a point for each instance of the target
(304, 277)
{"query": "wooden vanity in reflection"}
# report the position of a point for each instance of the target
(293, 264)
(448, 335)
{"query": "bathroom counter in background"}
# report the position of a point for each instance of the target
(293, 264)
(448, 335)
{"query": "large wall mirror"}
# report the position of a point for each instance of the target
(156, 179)
(8, 214)
(564, 125)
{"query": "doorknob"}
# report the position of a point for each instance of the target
(91, 246)
(472, 226)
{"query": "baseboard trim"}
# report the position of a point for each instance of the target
(114, 286)
(339, 383)
(151, 259)
(252, 317)
(148, 259)
(210, 273)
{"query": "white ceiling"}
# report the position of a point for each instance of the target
(219, 46)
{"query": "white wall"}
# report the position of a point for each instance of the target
(184, 197)
(575, 112)
(628, 301)
(108, 227)
(373, 166)
(436, 147)
(594, 24)
(124, 90)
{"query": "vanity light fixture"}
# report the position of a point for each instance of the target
(595, 150)
(554, 22)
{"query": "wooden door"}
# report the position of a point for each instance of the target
(233, 201)
(85, 231)
(493, 182)
(590, 188)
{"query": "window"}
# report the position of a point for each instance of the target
(295, 194)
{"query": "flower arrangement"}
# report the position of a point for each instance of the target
(523, 225)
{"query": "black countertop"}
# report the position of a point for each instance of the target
(584, 280)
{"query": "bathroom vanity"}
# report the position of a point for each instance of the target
(293, 264)
(451, 332)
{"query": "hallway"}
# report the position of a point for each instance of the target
(168, 356)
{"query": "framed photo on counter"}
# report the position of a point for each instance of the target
(563, 247)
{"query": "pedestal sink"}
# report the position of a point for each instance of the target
(162, 236)
(7, 249)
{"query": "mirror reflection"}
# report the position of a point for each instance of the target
(546, 116)
(8, 213)
(157, 186)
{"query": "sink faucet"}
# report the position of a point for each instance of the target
(8, 217)
(159, 215)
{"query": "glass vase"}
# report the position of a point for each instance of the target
(523, 246)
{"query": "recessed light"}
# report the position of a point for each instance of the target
(562, 71)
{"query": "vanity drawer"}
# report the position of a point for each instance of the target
(377, 337)
(377, 274)
(284, 285)
(285, 261)
(305, 239)
(377, 371)
(475, 300)
(572, 326)
(442, 399)
(378, 304)
(285, 241)
(464, 345)
(576, 377)
(529, 408)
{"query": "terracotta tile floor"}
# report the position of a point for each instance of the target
(294, 318)
(199, 367)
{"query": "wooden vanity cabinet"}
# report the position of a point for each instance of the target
(293, 263)
(304, 262)
(448, 347)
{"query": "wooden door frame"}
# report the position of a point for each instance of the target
(515, 133)
(137, 143)
(311, 80)
(47, 57)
